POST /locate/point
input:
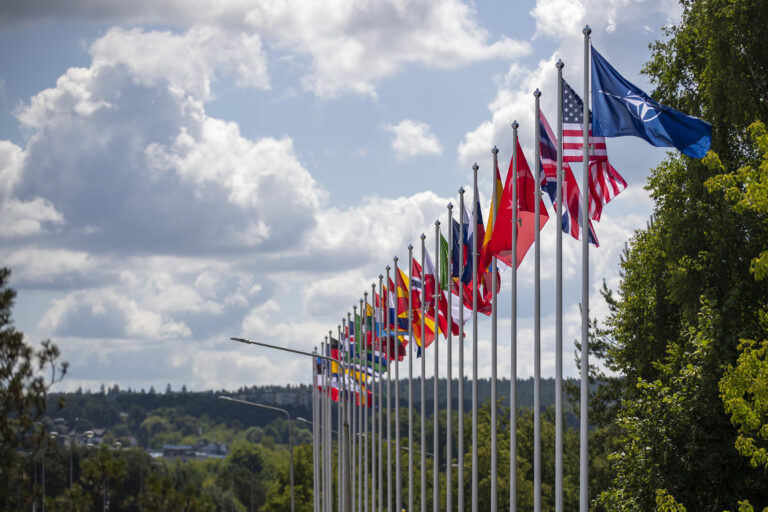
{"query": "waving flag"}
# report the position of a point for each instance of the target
(525, 211)
(621, 108)
(605, 182)
(571, 209)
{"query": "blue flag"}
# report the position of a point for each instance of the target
(620, 108)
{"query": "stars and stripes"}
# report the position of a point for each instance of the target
(573, 130)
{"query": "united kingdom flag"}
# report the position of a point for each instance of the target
(548, 179)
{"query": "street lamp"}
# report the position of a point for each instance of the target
(290, 434)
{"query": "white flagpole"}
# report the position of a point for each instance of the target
(474, 341)
(398, 469)
(338, 435)
(364, 438)
(513, 344)
(423, 436)
(435, 383)
(361, 444)
(326, 381)
(348, 412)
(373, 405)
(584, 405)
(355, 426)
(381, 416)
(494, 313)
(449, 364)
(460, 476)
(411, 444)
(537, 315)
(389, 408)
(559, 299)
(315, 436)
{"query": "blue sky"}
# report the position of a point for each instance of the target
(176, 173)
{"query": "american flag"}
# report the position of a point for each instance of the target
(573, 130)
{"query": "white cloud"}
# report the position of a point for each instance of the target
(25, 218)
(11, 157)
(413, 138)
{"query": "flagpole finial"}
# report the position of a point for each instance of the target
(410, 247)
(387, 268)
(461, 190)
(587, 30)
(515, 125)
(354, 308)
(423, 236)
(381, 277)
(495, 150)
(559, 64)
(395, 258)
(537, 93)
(365, 294)
(437, 223)
(450, 206)
(475, 167)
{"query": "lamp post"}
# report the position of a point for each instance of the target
(290, 434)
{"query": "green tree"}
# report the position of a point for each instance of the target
(26, 376)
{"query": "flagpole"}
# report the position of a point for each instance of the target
(361, 444)
(584, 405)
(460, 284)
(381, 415)
(513, 344)
(398, 469)
(364, 438)
(475, 199)
(449, 364)
(325, 427)
(422, 438)
(435, 385)
(559, 299)
(411, 445)
(348, 412)
(338, 435)
(537, 316)
(315, 437)
(389, 407)
(494, 317)
(373, 404)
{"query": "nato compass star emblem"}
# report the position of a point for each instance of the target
(638, 106)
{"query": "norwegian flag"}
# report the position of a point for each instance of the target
(548, 178)
(605, 182)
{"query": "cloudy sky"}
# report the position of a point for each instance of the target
(174, 173)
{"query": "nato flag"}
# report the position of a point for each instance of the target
(620, 108)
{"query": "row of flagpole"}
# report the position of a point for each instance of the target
(616, 100)
(354, 495)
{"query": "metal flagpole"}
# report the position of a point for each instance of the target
(389, 407)
(326, 504)
(435, 384)
(460, 476)
(584, 403)
(513, 344)
(364, 438)
(559, 299)
(494, 314)
(537, 318)
(449, 364)
(348, 412)
(355, 424)
(373, 405)
(380, 459)
(329, 431)
(411, 445)
(338, 435)
(474, 340)
(422, 437)
(398, 469)
(315, 437)
(360, 467)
